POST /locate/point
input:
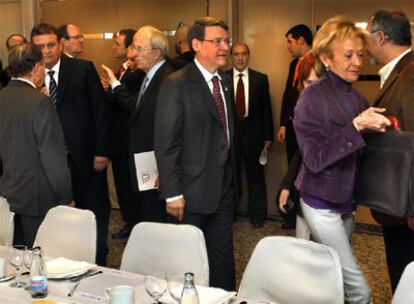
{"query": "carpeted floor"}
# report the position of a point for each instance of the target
(367, 243)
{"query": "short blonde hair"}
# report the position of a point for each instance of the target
(337, 28)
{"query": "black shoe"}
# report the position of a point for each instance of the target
(287, 226)
(257, 223)
(122, 234)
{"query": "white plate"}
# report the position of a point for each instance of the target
(62, 268)
(7, 278)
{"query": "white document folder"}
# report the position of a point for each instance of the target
(146, 169)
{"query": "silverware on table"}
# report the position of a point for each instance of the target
(78, 279)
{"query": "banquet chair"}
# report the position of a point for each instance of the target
(295, 271)
(68, 232)
(168, 248)
(6, 223)
(404, 294)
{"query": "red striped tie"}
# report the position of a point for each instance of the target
(218, 100)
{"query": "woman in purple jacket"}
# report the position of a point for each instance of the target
(329, 118)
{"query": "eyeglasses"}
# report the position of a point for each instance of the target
(77, 37)
(219, 41)
(140, 49)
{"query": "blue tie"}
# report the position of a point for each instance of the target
(142, 90)
(52, 87)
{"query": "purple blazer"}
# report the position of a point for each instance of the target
(328, 141)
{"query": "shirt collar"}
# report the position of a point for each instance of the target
(386, 70)
(25, 80)
(154, 69)
(206, 73)
(55, 68)
(236, 73)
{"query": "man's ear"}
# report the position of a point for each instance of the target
(196, 44)
(301, 40)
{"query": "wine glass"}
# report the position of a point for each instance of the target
(175, 286)
(27, 261)
(16, 259)
(156, 285)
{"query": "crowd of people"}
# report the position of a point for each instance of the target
(62, 122)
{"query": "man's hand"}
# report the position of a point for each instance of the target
(267, 144)
(157, 182)
(108, 75)
(176, 208)
(100, 163)
(283, 198)
(281, 135)
(410, 222)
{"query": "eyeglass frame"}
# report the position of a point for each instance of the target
(219, 41)
(77, 37)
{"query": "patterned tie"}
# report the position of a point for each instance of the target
(218, 100)
(240, 99)
(52, 87)
(142, 90)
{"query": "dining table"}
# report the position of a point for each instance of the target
(91, 290)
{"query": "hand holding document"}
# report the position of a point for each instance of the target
(146, 169)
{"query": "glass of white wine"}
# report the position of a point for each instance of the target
(156, 285)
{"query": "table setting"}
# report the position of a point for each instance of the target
(70, 282)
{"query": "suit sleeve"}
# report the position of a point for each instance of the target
(293, 170)
(407, 103)
(123, 97)
(284, 112)
(267, 111)
(169, 121)
(100, 112)
(52, 150)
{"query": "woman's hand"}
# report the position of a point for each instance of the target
(371, 119)
(283, 198)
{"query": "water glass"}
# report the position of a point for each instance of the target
(175, 286)
(156, 285)
(16, 256)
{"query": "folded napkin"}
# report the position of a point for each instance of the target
(206, 295)
(64, 268)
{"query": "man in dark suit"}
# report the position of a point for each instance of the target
(71, 40)
(83, 109)
(194, 146)
(132, 78)
(149, 49)
(389, 44)
(299, 42)
(254, 128)
(36, 175)
(11, 41)
(182, 47)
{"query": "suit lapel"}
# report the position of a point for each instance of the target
(201, 88)
(229, 100)
(64, 79)
(252, 88)
(393, 76)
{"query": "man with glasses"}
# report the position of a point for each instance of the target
(194, 146)
(149, 49)
(71, 39)
(77, 94)
(389, 44)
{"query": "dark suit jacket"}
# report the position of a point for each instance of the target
(189, 140)
(259, 121)
(36, 176)
(84, 113)
(120, 116)
(141, 123)
(290, 96)
(397, 96)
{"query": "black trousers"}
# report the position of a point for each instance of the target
(291, 142)
(248, 150)
(92, 194)
(25, 229)
(127, 197)
(218, 233)
(399, 248)
(151, 208)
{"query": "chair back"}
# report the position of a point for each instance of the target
(168, 248)
(6, 223)
(294, 271)
(68, 232)
(404, 294)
